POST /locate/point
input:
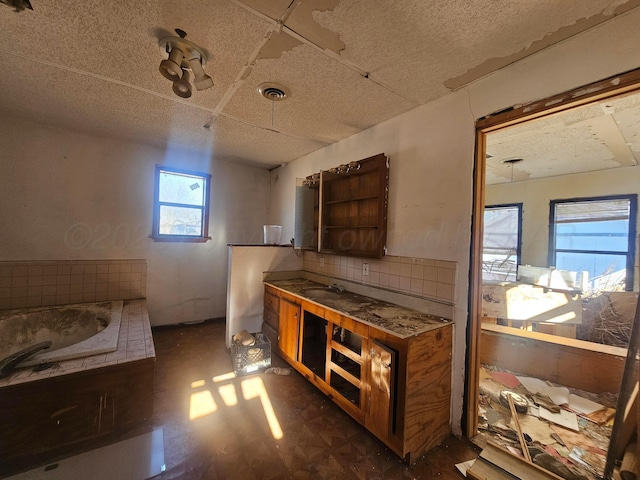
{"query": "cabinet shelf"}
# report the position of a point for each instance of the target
(346, 352)
(352, 199)
(352, 379)
(348, 227)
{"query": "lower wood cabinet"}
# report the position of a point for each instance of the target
(288, 328)
(398, 388)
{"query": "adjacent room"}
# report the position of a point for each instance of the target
(319, 239)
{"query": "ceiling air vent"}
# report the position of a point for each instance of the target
(274, 91)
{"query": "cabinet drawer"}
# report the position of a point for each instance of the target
(271, 318)
(348, 323)
(271, 290)
(272, 335)
(271, 302)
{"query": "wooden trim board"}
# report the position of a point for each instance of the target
(557, 359)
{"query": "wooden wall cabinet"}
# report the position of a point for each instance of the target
(398, 388)
(353, 208)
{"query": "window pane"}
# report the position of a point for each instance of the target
(500, 243)
(180, 188)
(180, 221)
(592, 210)
(605, 271)
(605, 235)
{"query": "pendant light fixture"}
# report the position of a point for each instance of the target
(183, 64)
(511, 162)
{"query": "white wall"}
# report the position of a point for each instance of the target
(535, 196)
(66, 196)
(432, 151)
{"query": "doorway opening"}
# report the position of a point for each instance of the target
(554, 280)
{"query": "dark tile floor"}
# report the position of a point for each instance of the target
(261, 426)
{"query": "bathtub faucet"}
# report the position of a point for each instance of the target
(8, 364)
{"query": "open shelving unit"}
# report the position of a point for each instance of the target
(353, 208)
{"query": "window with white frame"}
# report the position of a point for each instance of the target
(597, 236)
(181, 205)
(501, 242)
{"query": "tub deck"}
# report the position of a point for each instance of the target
(78, 402)
(135, 342)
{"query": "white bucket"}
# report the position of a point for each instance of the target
(272, 234)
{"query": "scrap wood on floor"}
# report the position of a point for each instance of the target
(565, 430)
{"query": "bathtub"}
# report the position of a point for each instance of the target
(78, 330)
(50, 411)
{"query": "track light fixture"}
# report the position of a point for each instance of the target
(184, 63)
(170, 68)
(182, 87)
(201, 80)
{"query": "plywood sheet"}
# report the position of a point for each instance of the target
(531, 303)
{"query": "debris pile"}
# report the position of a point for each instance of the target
(563, 430)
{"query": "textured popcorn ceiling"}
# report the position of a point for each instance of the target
(93, 66)
(594, 137)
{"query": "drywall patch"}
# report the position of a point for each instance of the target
(493, 64)
(303, 23)
(278, 42)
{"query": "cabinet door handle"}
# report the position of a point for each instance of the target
(385, 365)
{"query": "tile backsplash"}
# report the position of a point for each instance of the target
(61, 282)
(423, 277)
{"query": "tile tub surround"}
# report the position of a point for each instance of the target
(135, 342)
(39, 283)
(423, 277)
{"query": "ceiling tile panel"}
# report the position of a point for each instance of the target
(328, 101)
(119, 40)
(416, 46)
(236, 139)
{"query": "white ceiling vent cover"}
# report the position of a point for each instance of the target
(274, 91)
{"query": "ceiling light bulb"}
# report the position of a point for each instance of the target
(170, 68)
(182, 87)
(202, 81)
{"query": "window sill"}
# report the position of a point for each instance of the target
(179, 239)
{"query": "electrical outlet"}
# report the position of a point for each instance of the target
(365, 269)
(321, 262)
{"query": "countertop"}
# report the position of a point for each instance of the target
(399, 321)
(259, 245)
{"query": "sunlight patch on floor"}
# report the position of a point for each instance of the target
(254, 387)
(228, 394)
(202, 402)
